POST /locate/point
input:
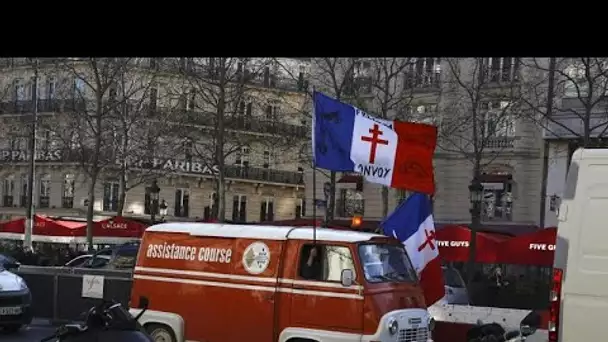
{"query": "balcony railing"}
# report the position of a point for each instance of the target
(240, 123)
(500, 142)
(44, 106)
(249, 124)
(350, 207)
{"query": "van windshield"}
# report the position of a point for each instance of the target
(386, 263)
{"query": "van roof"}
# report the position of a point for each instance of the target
(590, 153)
(261, 232)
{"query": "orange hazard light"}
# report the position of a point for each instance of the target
(356, 221)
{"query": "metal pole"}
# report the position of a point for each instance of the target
(314, 172)
(29, 225)
(543, 188)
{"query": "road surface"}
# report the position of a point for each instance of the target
(32, 333)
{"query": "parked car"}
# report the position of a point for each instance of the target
(89, 261)
(118, 257)
(15, 297)
(455, 287)
(8, 261)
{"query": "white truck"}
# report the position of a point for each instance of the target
(579, 294)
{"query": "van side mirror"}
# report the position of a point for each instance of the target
(347, 278)
(144, 302)
(530, 324)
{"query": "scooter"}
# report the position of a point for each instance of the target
(108, 321)
(494, 332)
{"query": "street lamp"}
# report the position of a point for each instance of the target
(154, 191)
(475, 197)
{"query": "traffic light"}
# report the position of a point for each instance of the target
(356, 221)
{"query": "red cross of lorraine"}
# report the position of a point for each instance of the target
(430, 236)
(374, 140)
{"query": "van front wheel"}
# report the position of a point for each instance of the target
(160, 333)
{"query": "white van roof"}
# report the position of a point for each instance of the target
(261, 232)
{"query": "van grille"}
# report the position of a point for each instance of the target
(413, 335)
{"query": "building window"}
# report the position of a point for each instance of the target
(8, 191)
(191, 105)
(45, 140)
(44, 196)
(350, 203)
(79, 87)
(110, 196)
(50, 88)
(188, 149)
(182, 203)
(402, 195)
(242, 157)
(423, 113)
(68, 191)
(267, 159)
(500, 69)
(497, 200)
(24, 190)
(498, 120)
(423, 73)
(239, 208)
(211, 210)
(272, 112)
(19, 90)
(327, 265)
(576, 84)
(300, 208)
(267, 210)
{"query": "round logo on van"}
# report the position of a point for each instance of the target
(256, 258)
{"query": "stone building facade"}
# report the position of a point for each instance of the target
(512, 157)
(263, 182)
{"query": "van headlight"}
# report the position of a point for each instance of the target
(393, 326)
(431, 324)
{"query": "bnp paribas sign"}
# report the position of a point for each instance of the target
(16, 156)
(176, 165)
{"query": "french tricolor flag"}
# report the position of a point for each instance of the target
(412, 224)
(393, 153)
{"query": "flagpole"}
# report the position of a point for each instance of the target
(314, 172)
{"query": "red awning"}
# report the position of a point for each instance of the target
(530, 249)
(454, 240)
(46, 229)
(119, 227)
(15, 226)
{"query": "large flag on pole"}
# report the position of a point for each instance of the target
(412, 224)
(393, 153)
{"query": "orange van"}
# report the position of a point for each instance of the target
(210, 282)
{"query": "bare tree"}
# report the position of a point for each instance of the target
(218, 98)
(581, 86)
(140, 130)
(88, 104)
(389, 95)
(481, 106)
(336, 77)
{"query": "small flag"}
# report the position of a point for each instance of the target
(412, 224)
(393, 153)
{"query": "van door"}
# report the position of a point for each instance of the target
(581, 243)
(319, 301)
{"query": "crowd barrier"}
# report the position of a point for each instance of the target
(57, 292)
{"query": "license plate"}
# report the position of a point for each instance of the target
(10, 311)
